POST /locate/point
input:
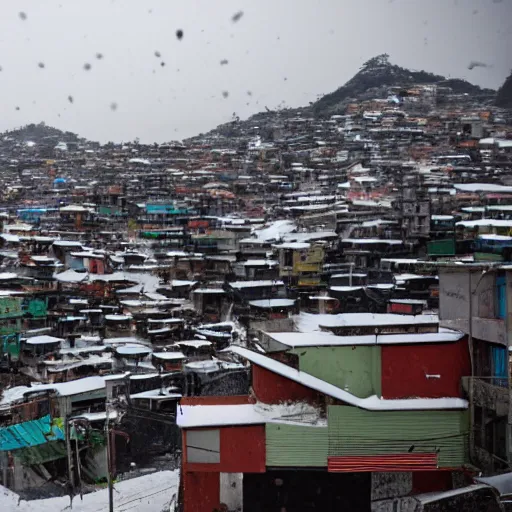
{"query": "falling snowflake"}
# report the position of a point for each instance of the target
(87, 66)
(225, 94)
(237, 16)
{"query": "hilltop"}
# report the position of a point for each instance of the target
(504, 95)
(377, 73)
(40, 133)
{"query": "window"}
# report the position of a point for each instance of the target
(288, 258)
(203, 446)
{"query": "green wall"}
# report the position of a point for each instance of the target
(356, 369)
(296, 445)
(353, 431)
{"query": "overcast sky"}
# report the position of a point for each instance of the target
(279, 50)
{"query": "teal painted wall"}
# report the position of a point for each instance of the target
(356, 369)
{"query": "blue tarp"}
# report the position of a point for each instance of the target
(29, 433)
(499, 365)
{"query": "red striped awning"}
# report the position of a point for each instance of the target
(387, 463)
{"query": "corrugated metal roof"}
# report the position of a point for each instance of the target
(30, 433)
(42, 453)
(296, 445)
(353, 431)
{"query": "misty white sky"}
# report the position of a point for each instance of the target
(315, 45)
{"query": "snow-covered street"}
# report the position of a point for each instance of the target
(149, 493)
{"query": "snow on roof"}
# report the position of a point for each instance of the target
(10, 238)
(75, 208)
(209, 290)
(67, 243)
(161, 330)
(71, 276)
(166, 320)
(491, 236)
(88, 254)
(156, 394)
(293, 245)
(42, 340)
(260, 263)
(310, 236)
(117, 318)
(191, 416)
(98, 416)
(442, 217)
(193, 343)
(7, 276)
(272, 303)
(497, 223)
(381, 286)
(354, 274)
(133, 350)
(139, 161)
(180, 282)
(275, 230)
(345, 288)
(255, 284)
(18, 227)
(362, 241)
(85, 350)
(79, 301)
(498, 207)
(169, 356)
(308, 322)
(318, 339)
(372, 403)
(142, 376)
(42, 259)
(73, 387)
(482, 187)
(417, 302)
(400, 278)
(212, 365)
(124, 341)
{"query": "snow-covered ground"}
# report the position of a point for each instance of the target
(149, 493)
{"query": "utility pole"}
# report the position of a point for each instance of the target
(109, 463)
(67, 434)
